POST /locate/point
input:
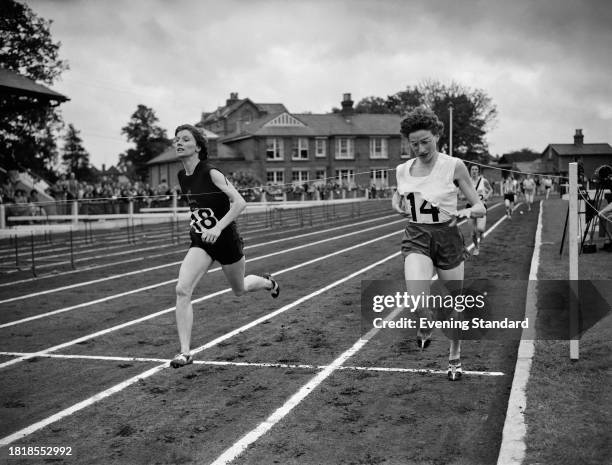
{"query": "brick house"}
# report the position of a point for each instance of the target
(557, 156)
(284, 148)
(236, 112)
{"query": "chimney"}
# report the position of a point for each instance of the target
(578, 137)
(233, 99)
(347, 105)
(103, 168)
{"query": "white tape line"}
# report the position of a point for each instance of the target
(87, 402)
(208, 296)
(513, 447)
(302, 366)
(240, 446)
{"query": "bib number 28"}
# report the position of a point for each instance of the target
(202, 219)
(423, 209)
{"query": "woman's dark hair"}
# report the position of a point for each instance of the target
(474, 165)
(422, 118)
(199, 137)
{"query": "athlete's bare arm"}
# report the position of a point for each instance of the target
(237, 202)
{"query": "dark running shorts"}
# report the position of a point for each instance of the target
(226, 250)
(509, 197)
(440, 242)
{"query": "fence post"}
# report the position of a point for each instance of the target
(174, 205)
(75, 212)
(2, 216)
(32, 250)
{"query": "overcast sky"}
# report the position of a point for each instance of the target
(545, 63)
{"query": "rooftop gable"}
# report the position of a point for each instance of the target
(14, 83)
(284, 120)
(580, 150)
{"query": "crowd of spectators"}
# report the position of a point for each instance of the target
(111, 196)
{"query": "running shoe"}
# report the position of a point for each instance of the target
(180, 360)
(275, 289)
(423, 340)
(454, 372)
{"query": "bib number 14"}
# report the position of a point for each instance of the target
(423, 209)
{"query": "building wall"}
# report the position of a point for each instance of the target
(253, 150)
(247, 112)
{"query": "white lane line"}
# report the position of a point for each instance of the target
(87, 402)
(247, 231)
(79, 406)
(254, 364)
(118, 387)
(122, 275)
(513, 447)
(152, 286)
(240, 446)
(206, 297)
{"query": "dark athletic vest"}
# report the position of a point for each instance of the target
(205, 199)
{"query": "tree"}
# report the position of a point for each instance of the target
(373, 105)
(75, 157)
(149, 138)
(473, 113)
(28, 127)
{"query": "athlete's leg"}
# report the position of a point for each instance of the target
(507, 207)
(241, 284)
(418, 271)
(481, 224)
(194, 265)
(454, 274)
(474, 223)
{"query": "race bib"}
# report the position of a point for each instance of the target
(201, 219)
(420, 210)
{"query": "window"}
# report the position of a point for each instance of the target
(345, 148)
(299, 176)
(274, 149)
(346, 177)
(379, 177)
(404, 148)
(275, 176)
(320, 148)
(378, 147)
(299, 151)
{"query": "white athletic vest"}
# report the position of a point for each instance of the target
(479, 186)
(431, 198)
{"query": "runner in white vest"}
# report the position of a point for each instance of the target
(427, 196)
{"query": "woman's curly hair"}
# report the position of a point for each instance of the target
(422, 118)
(199, 137)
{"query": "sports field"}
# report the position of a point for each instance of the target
(84, 355)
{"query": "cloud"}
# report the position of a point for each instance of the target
(544, 64)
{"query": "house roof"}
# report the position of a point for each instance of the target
(271, 107)
(14, 83)
(224, 111)
(564, 150)
(169, 155)
(322, 125)
(518, 157)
